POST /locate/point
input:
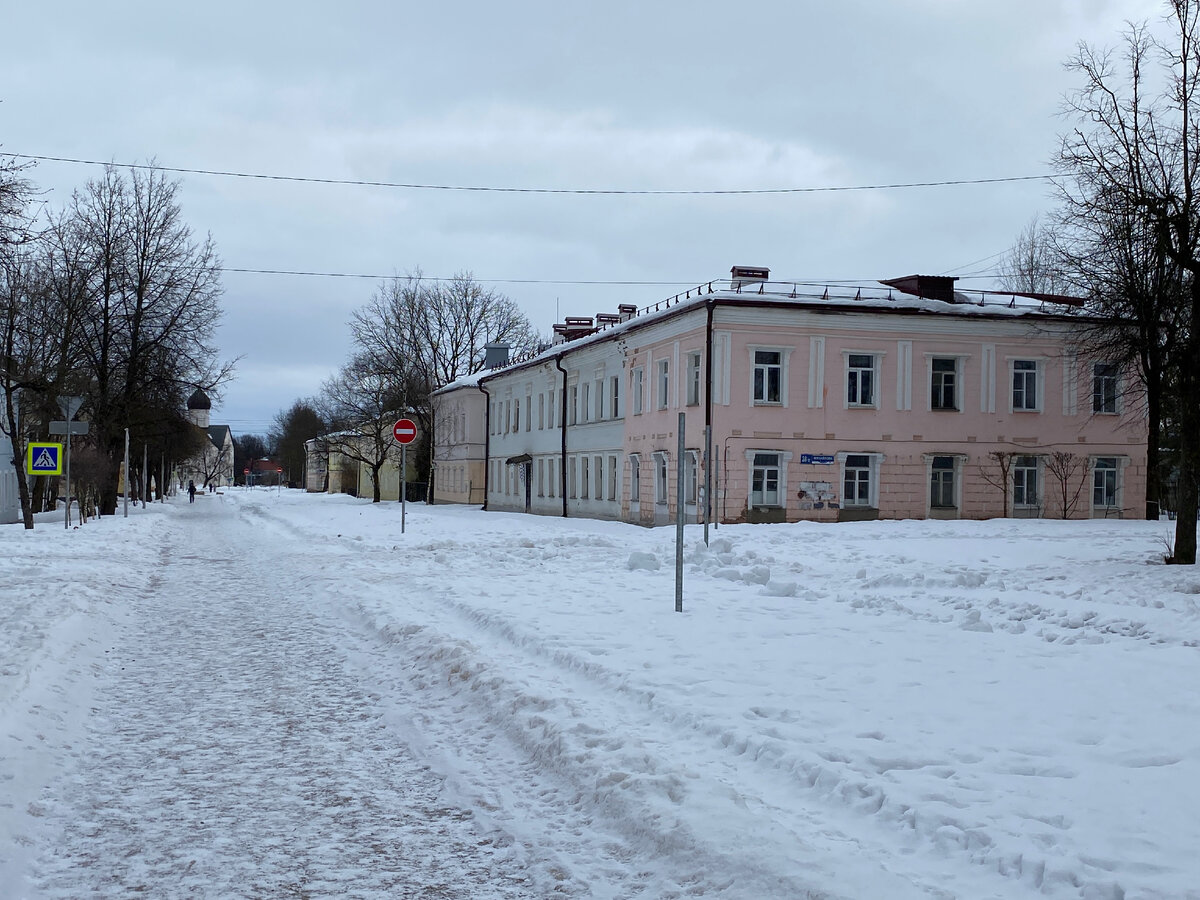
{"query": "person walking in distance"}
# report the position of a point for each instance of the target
(191, 492)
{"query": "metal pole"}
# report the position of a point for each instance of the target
(717, 483)
(403, 475)
(679, 517)
(127, 473)
(707, 479)
(145, 473)
(67, 523)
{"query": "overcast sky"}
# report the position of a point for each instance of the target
(623, 95)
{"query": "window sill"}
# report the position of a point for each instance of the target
(778, 403)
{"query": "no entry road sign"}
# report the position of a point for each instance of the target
(405, 431)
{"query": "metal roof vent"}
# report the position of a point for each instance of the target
(928, 287)
(495, 355)
(743, 275)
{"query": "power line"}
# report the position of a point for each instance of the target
(532, 190)
(681, 281)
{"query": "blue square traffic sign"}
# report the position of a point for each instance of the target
(43, 459)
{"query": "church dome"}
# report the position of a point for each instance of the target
(199, 400)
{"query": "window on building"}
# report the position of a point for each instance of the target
(860, 379)
(583, 477)
(552, 410)
(541, 412)
(552, 487)
(614, 396)
(598, 470)
(635, 479)
(691, 481)
(573, 405)
(942, 494)
(856, 483)
(529, 412)
(944, 383)
(1025, 385)
(585, 405)
(508, 427)
(1104, 387)
(663, 383)
(541, 477)
(636, 390)
(768, 376)
(764, 480)
(612, 478)
(1025, 481)
(516, 421)
(1104, 482)
(599, 399)
(693, 378)
(661, 482)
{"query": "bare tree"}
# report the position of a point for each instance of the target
(1067, 469)
(427, 334)
(361, 404)
(998, 475)
(153, 300)
(291, 430)
(1033, 264)
(1132, 158)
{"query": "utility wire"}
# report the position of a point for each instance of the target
(532, 190)
(682, 281)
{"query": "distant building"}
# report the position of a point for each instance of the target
(907, 400)
(10, 497)
(213, 463)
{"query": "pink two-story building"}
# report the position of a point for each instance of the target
(912, 400)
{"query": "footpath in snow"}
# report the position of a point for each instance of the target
(274, 694)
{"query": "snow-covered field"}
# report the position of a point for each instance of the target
(274, 694)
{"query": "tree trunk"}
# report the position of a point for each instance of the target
(1153, 457)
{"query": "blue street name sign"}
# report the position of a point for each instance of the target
(816, 459)
(44, 459)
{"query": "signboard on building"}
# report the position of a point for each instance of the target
(817, 459)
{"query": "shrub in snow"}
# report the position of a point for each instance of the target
(640, 560)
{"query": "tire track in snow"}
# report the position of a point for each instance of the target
(232, 753)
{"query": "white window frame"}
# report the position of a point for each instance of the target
(662, 478)
(1038, 373)
(613, 477)
(876, 357)
(694, 369)
(956, 385)
(956, 475)
(1019, 466)
(1117, 472)
(691, 477)
(635, 481)
(637, 378)
(573, 404)
(585, 403)
(764, 369)
(597, 477)
(784, 457)
(662, 383)
(614, 396)
(872, 468)
(1100, 398)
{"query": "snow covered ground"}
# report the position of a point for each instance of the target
(274, 694)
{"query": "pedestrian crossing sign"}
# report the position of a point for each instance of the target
(44, 459)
